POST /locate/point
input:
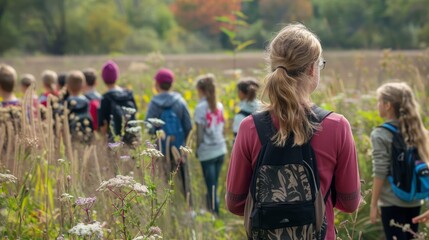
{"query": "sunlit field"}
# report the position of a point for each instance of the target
(51, 172)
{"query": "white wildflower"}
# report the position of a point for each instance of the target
(135, 129)
(155, 231)
(152, 152)
(139, 188)
(185, 149)
(61, 160)
(7, 178)
(148, 125)
(65, 197)
(120, 182)
(152, 237)
(87, 230)
(130, 111)
(156, 122)
(125, 157)
(135, 122)
(85, 201)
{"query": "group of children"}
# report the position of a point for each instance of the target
(74, 94)
(88, 110)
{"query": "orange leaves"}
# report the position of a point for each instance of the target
(201, 15)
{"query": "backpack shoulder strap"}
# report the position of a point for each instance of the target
(264, 126)
(319, 114)
(390, 127)
(244, 113)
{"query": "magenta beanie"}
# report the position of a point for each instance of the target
(164, 75)
(110, 72)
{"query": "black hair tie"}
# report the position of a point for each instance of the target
(281, 68)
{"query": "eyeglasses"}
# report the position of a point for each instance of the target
(322, 64)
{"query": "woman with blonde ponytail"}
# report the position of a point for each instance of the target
(398, 107)
(294, 64)
(211, 147)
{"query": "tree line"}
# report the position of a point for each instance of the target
(176, 26)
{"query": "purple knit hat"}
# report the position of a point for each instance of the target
(110, 72)
(164, 75)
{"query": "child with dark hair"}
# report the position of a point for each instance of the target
(91, 94)
(117, 104)
(90, 84)
(63, 94)
(50, 81)
(80, 121)
(170, 107)
(62, 79)
(7, 84)
(247, 89)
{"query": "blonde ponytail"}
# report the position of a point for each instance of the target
(407, 111)
(291, 55)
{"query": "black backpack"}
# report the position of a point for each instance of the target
(409, 176)
(285, 187)
(119, 101)
(80, 120)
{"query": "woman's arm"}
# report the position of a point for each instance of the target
(347, 180)
(240, 169)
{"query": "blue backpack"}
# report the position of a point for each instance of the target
(173, 129)
(409, 176)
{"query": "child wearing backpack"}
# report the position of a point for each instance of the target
(247, 89)
(293, 162)
(171, 108)
(7, 84)
(211, 146)
(91, 94)
(79, 118)
(117, 105)
(402, 137)
(50, 80)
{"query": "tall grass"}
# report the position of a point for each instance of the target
(48, 164)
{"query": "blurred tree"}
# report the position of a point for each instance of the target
(251, 9)
(200, 15)
(106, 29)
(274, 12)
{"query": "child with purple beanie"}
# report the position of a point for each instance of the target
(117, 104)
(170, 107)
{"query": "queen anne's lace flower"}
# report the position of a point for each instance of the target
(7, 178)
(87, 230)
(152, 152)
(185, 149)
(135, 129)
(156, 122)
(85, 201)
(140, 188)
(136, 122)
(120, 182)
(129, 110)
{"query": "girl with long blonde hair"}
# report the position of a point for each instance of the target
(294, 64)
(398, 107)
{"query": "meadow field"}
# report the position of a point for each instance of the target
(52, 173)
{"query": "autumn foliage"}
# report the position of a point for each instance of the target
(200, 15)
